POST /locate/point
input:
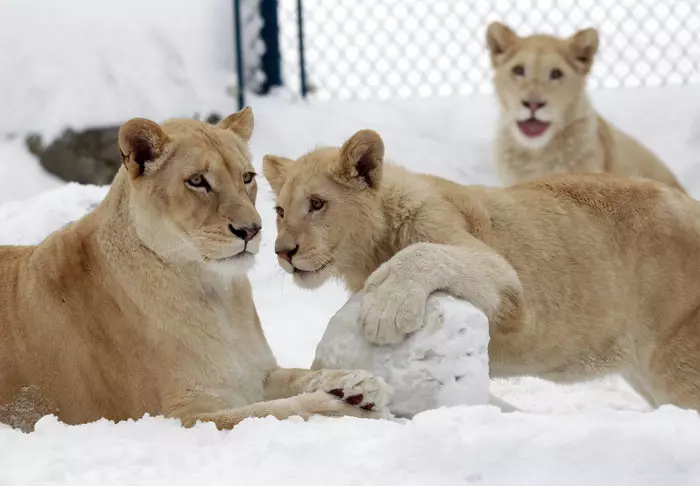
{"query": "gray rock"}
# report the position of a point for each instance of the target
(89, 156)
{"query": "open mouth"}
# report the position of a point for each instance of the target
(532, 127)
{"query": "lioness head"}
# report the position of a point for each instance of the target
(539, 79)
(326, 206)
(193, 189)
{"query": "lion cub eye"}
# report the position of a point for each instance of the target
(279, 211)
(248, 177)
(198, 181)
(518, 70)
(556, 74)
(316, 203)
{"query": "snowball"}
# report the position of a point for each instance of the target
(444, 363)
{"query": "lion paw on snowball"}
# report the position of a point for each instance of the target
(444, 363)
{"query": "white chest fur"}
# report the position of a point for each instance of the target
(224, 351)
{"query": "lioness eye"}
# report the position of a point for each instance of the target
(198, 181)
(518, 70)
(279, 211)
(248, 177)
(555, 73)
(316, 203)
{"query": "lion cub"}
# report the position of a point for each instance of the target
(579, 275)
(143, 305)
(547, 124)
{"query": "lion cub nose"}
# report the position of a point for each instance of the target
(533, 106)
(245, 233)
(286, 254)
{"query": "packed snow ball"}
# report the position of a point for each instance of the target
(444, 363)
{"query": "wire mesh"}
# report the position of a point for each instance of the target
(387, 49)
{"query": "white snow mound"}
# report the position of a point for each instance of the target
(30, 222)
(444, 363)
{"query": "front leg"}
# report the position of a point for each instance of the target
(355, 387)
(396, 293)
(194, 404)
(305, 406)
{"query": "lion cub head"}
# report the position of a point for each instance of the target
(327, 206)
(193, 190)
(539, 80)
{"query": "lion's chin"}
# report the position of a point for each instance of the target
(234, 266)
(311, 280)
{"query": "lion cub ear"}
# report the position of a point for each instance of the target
(361, 159)
(500, 38)
(583, 46)
(275, 170)
(240, 123)
(141, 142)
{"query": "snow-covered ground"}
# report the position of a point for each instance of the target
(68, 72)
(449, 447)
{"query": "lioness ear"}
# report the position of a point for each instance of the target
(274, 170)
(361, 159)
(140, 141)
(240, 123)
(500, 38)
(583, 46)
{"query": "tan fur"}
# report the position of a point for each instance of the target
(579, 275)
(143, 305)
(577, 139)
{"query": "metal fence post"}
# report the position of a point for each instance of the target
(270, 62)
(302, 60)
(238, 35)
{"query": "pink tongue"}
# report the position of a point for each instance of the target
(532, 127)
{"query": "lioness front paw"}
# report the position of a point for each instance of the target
(358, 388)
(392, 308)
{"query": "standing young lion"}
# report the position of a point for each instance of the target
(143, 305)
(578, 275)
(547, 124)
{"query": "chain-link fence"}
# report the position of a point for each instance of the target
(386, 49)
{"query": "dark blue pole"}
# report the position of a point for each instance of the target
(270, 62)
(239, 52)
(302, 61)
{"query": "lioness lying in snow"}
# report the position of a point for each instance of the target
(579, 275)
(143, 305)
(547, 124)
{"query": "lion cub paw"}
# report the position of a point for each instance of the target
(357, 388)
(391, 308)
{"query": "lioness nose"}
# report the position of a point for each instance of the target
(286, 253)
(533, 106)
(245, 233)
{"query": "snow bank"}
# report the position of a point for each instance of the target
(444, 363)
(79, 63)
(456, 446)
(29, 222)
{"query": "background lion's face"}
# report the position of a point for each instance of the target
(539, 80)
(195, 201)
